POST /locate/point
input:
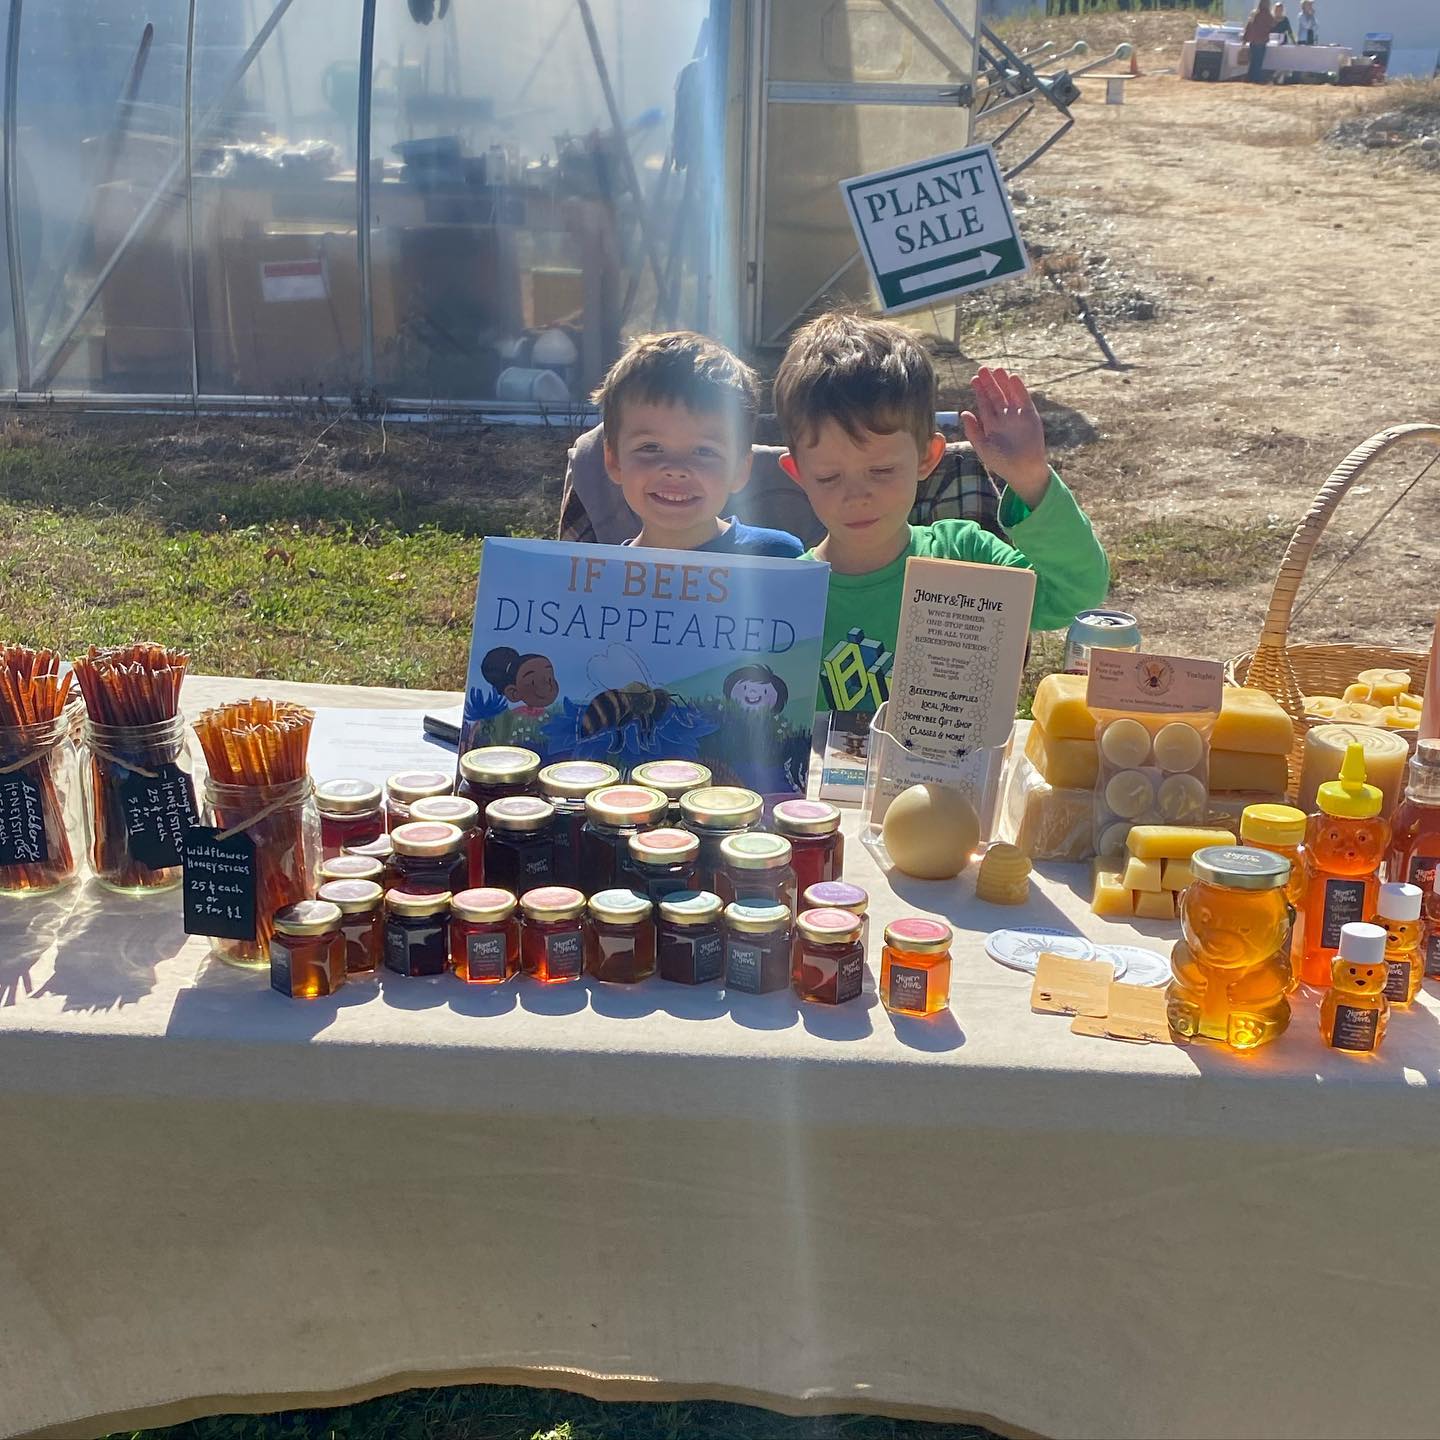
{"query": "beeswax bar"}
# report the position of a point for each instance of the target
(1141, 874)
(1059, 705)
(1150, 905)
(1054, 824)
(1234, 770)
(1253, 721)
(1174, 842)
(1110, 895)
(1177, 875)
(1069, 764)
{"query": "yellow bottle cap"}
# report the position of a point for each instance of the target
(1349, 796)
(1279, 825)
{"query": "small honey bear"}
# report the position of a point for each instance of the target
(1355, 1012)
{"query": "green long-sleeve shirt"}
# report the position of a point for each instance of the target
(862, 617)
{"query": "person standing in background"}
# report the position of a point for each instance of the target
(1280, 24)
(1257, 37)
(1307, 24)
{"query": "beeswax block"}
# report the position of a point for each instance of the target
(1051, 823)
(1110, 895)
(1236, 770)
(1174, 842)
(1177, 875)
(1223, 812)
(1059, 705)
(1254, 721)
(1155, 906)
(1068, 764)
(1141, 874)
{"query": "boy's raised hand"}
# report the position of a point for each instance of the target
(1007, 433)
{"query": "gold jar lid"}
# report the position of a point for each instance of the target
(380, 848)
(347, 797)
(805, 817)
(482, 903)
(836, 894)
(500, 765)
(427, 838)
(755, 850)
(721, 807)
(619, 907)
(691, 907)
(672, 778)
(757, 917)
(918, 935)
(307, 917)
(354, 897)
(411, 785)
(519, 813)
(575, 779)
(829, 926)
(351, 867)
(1240, 867)
(450, 809)
(417, 902)
(552, 902)
(620, 805)
(663, 847)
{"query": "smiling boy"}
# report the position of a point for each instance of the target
(679, 417)
(856, 401)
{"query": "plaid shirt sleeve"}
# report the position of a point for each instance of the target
(959, 488)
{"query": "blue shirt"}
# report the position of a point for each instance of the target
(743, 539)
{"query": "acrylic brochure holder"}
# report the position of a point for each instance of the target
(893, 766)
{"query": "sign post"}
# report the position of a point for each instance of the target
(936, 229)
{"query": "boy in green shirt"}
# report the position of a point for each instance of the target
(856, 401)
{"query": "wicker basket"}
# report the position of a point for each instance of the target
(1289, 671)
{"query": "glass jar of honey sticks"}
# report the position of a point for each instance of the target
(39, 780)
(259, 786)
(136, 766)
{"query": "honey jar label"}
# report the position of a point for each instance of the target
(220, 881)
(1431, 953)
(397, 950)
(158, 810)
(849, 978)
(1344, 905)
(22, 821)
(1397, 980)
(742, 966)
(538, 867)
(563, 955)
(709, 958)
(280, 967)
(1355, 1029)
(907, 987)
(485, 956)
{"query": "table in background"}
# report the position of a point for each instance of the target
(1279, 59)
(217, 1199)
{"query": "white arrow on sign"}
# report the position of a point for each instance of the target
(982, 264)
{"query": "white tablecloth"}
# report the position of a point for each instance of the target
(214, 1198)
(1279, 59)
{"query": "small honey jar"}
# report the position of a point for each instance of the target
(362, 924)
(710, 814)
(464, 815)
(757, 946)
(351, 812)
(612, 816)
(672, 778)
(690, 939)
(351, 867)
(519, 850)
(417, 938)
(620, 938)
(565, 785)
(827, 965)
(552, 934)
(1355, 1012)
(840, 895)
(484, 936)
(813, 829)
(307, 953)
(381, 848)
(495, 771)
(404, 789)
(756, 865)
(915, 966)
(428, 855)
(662, 862)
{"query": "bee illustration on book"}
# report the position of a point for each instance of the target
(625, 695)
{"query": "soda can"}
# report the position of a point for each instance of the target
(1098, 630)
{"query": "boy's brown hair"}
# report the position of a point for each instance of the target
(680, 368)
(866, 375)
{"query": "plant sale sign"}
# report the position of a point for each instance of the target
(935, 229)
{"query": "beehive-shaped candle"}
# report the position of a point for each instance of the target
(1004, 876)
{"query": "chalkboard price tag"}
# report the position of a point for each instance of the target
(220, 884)
(22, 821)
(158, 813)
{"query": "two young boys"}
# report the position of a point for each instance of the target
(856, 402)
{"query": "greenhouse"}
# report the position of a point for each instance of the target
(420, 203)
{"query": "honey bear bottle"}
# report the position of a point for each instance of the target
(1230, 972)
(1398, 914)
(1354, 1013)
(1345, 842)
